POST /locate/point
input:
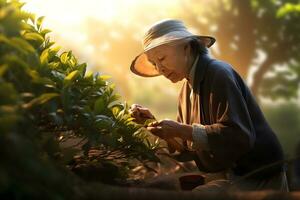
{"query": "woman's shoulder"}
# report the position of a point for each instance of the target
(221, 69)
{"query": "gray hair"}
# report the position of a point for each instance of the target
(197, 47)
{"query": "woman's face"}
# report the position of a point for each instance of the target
(171, 60)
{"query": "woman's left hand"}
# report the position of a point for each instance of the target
(165, 129)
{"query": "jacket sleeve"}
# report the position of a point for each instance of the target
(231, 133)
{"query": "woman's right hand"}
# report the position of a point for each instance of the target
(141, 114)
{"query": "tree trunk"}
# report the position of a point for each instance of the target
(259, 75)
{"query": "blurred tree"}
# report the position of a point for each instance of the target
(245, 28)
(226, 21)
(284, 82)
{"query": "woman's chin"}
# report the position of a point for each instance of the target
(174, 79)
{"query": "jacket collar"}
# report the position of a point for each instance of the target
(193, 71)
(201, 68)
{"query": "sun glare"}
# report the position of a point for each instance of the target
(74, 11)
(67, 18)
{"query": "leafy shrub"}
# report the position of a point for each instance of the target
(48, 98)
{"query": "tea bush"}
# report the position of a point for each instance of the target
(47, 98)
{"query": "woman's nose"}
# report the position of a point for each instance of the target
(161, 68)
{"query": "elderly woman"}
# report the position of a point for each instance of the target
(216, 110)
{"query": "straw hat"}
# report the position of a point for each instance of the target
(160, 33)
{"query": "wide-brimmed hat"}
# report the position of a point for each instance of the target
(160, 33)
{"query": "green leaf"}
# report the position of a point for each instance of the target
(58, 75)
(89, 76)
(44, 56)
(27, 27)
(114, 97)
(105, 77)
(67, 58)
(18, 43)
(103, 121)
(288, 8)
(71, 77)
(34, 37)
(36, 78)
(82, 69)
(23, 44)
(99, 105)
(40, 100)
(100, 82)
(115, 110)
(32, 18)
(40, 21)
(64, 57)
(55, 49)
(49, 44)
(113, 100)
(45, 32)
(112, 87)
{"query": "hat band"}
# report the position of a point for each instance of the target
(169, 37)
(162, 28)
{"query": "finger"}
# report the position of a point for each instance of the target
(133, 109)
(154, 124)
(154, 128)
(171, 148)
(137, 118)
(134, 106)
(162, 122)
(145, 112)
(139, 113)
(174, 144)
(156, 131)
(134, 114)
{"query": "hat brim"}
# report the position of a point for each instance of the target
(142, 67)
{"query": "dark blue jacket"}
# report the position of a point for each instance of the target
(238, 134)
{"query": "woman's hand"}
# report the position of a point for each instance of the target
(165, 129)
(174, 145)
(141, 114)
(169, 129)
